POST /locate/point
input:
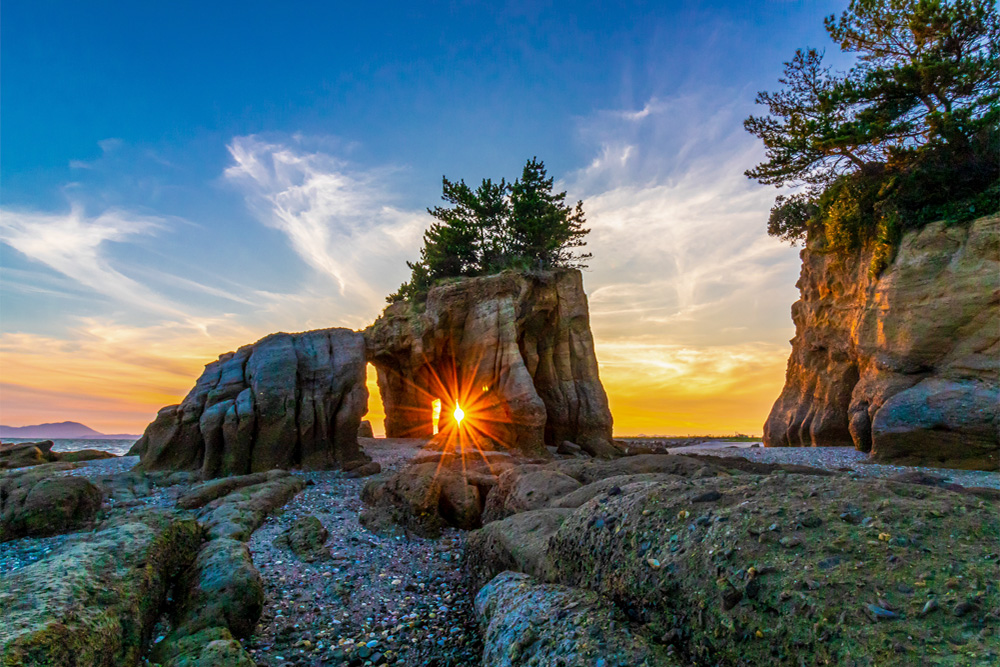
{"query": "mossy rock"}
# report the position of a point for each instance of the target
(789, 568)
(306, 538)
(35, 504)
(95, 601)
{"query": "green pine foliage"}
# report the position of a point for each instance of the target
(909, 135)
(497, 226)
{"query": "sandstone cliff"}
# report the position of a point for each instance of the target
(287, 400)
(906, 365)
(514, 350)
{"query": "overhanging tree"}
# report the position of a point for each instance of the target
(912, 127)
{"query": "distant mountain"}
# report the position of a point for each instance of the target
(62, 430)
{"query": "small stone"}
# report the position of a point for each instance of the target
(707, 497)
(880, 613)
(929, 607)
(653, 563)
(963, 608)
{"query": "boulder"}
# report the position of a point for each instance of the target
(905, 365)
(23, 454)
(95, 601)
(288, 400)
(786, 568)
(211, 647)
(33, 504)
(365, 430)
(527, 488)
(514, 350)
(426, 497)
(306, 538)
(519, 543)
(526, 622)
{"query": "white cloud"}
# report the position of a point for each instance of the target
(337, 218)
(678, 234)
(75, 245)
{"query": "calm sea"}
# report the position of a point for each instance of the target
(118, 447)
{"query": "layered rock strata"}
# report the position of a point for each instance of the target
(905, 365)
(287, 400)
(514, 350)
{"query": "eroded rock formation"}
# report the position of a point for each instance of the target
(287, 400)
(514, 350)
(906, 366)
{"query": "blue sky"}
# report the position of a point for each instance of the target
(178, 178)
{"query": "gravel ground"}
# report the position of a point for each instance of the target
(378, 600)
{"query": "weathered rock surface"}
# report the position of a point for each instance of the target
(287, 400)
(95, 601)
(529, 623)
(906, 366)
(200, 495)
(23, 454)
(780, 569)
(426, 497)
(306, 538)
(365, 429)
(35, 504)
(239, 513)
(221, 598)
(514, 350)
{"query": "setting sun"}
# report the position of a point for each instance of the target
(459, 414)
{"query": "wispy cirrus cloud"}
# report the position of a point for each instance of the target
(338, 218)
(75, 244)
(689, 296)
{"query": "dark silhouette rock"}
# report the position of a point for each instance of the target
(514, 350)
(24, 454)
(287, 400)
(904, 365)
(365, 430)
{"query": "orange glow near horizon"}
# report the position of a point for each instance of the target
(115, 380)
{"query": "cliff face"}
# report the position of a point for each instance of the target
(287, 400)
(906, 366)
(514, 350)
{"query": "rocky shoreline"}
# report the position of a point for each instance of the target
(345, 595)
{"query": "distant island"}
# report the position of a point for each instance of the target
(61, 430)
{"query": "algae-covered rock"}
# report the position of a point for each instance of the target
(306, 538)
(241, 512)
(786, 569)
(529, 623)
(35, 504)
(221, 596)
(95, 601)
(211, 647)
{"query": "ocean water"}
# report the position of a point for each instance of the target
(118, 447)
